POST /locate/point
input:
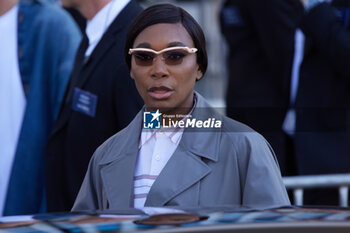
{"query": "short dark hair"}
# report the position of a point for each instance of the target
(167, 13)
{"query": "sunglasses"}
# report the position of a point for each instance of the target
(171, 56)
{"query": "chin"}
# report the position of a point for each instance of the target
(161, 106)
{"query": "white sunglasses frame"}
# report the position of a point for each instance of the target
(188, 49)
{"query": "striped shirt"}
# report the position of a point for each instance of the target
(155, 149)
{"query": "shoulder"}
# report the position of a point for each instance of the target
(231, 125)
(133, 8)
(114, 144)
(121, 143)
(128, 14)
(51, 24)
(44, 13)
(232, 131)
(246, 146)
(242, 138)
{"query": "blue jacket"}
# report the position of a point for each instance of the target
(47, 42)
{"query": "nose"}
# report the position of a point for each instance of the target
(159, 68)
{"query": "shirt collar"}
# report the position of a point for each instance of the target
(174, 135)
(97, 26)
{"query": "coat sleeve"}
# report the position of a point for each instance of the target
(262, 185)
(329, 36)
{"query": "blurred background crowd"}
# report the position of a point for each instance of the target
(280, 66)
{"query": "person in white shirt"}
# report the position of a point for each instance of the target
(33, 76)
(100, 100)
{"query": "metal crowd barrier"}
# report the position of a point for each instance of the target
(299, 183)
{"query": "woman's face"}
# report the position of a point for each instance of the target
(161, 84)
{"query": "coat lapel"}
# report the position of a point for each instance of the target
(117, 178)
(107, 41)
(117, 167)
(186, 167)
(73, 80)
(183, 170)
(81, 72)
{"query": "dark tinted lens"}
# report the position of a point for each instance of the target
(144, 58)
(174, 57)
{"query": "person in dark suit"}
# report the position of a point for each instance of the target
(101, 98)
(322, 137)
(260, 36)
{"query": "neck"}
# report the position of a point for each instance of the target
(174, 115)
(170, 120)
(90, 8)
(6, 5)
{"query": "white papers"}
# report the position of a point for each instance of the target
(17, 218)
(160, 210)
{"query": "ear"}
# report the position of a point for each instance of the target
(199, 74)
(132, 75)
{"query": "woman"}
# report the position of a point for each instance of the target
(221, 163)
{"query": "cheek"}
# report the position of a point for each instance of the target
(189, 74)
(139, 79)
(135, 73)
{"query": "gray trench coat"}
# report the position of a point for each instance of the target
(233, 165)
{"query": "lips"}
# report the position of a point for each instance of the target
(160, 92)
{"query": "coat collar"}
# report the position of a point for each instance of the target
(118, 165)
(202, 142)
